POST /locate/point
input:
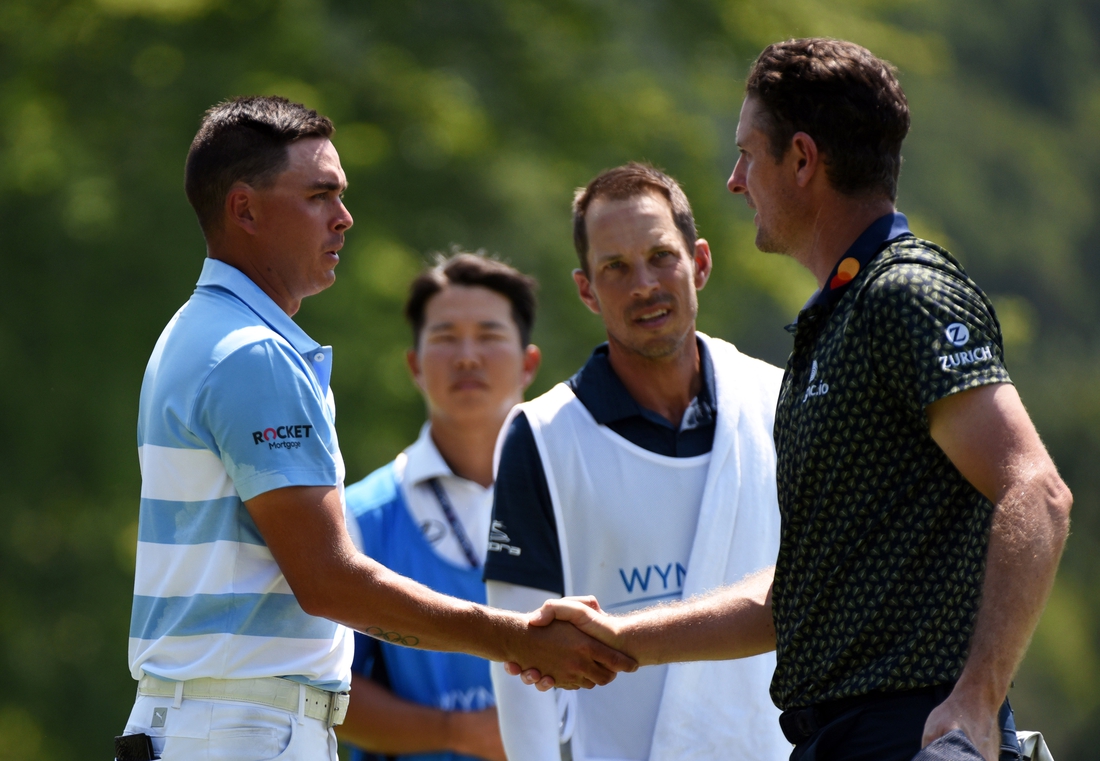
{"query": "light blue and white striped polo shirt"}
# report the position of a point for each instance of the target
(235, 402)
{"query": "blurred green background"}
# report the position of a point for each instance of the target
(470, 122)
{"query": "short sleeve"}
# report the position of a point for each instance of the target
(523, 542)
(268, 420)
(933, 333)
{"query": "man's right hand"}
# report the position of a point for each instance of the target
(587, 616)
(566, 655)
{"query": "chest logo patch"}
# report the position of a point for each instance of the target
(815, 389)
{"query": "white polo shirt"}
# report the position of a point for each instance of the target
(235, 402)
(472, 502)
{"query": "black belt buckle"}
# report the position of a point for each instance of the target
(134, 748)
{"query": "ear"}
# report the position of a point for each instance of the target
(584, 290)
(412, 359)
(807, 160)
(703, 263)
(241, 207)
(532, 358)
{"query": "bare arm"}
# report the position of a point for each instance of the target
(380, 722)
(304, 528)
(987, 434)
(731, 622)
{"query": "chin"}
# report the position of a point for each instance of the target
(654, 347)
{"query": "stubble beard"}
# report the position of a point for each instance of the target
(661, 347)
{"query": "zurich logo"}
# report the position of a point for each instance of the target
(957, 333)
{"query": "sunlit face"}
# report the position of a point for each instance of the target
(469, 361)
(763, 181)
(642, 278)
(301, 219)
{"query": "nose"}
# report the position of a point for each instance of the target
(467, 355)
(645, 281)
(342, 221)
(736, 182)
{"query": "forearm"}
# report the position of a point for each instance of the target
(1029, 529)
(733, 622)
(304, 529)
(369, 597)
(380, 722)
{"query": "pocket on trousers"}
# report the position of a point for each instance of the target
(247, 743)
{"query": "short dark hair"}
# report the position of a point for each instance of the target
(624, 182)
(244, 140)
(846, 99)
(473, 269)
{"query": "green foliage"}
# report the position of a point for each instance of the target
(469, 123)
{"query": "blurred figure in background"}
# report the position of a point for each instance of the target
(426, 515)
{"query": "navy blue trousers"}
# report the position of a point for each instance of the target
(889, 728)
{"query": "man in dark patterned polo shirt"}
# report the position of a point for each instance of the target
(923, 520)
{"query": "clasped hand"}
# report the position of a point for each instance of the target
(600, 631)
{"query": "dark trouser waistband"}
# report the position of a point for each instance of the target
(800, 724)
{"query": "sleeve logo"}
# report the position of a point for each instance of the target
(957, 333)
(498, 541)
(282, 437)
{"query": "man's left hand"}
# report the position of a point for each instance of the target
(981, 726)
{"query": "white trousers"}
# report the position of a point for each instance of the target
(224, 730)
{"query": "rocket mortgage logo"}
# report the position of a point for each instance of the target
(282, 437)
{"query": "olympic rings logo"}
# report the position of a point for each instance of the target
(394, 638)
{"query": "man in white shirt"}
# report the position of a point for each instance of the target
(427, 514)
(649, 476)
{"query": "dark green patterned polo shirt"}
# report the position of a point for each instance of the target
(883, 544)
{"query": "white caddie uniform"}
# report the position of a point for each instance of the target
(615, 519)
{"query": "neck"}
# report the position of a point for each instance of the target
(468, 449)
(665, 385)
(264, 279)
(835, 226)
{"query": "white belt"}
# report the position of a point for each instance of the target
(329, 707)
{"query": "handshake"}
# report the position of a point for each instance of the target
(573, 643)
(576, 644)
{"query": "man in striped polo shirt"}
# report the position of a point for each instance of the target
(247, 581)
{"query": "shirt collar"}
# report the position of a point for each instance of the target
(424, 460)
(218, 274)
(881, 233)
(604, 395)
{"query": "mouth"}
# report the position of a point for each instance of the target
(334, 250)
(469, 384)
(653, 316)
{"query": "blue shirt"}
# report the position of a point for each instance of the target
(234, 403)
(521, 502)
(448, 681)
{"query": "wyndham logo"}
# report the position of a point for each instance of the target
(957, 333)
(282, 437)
